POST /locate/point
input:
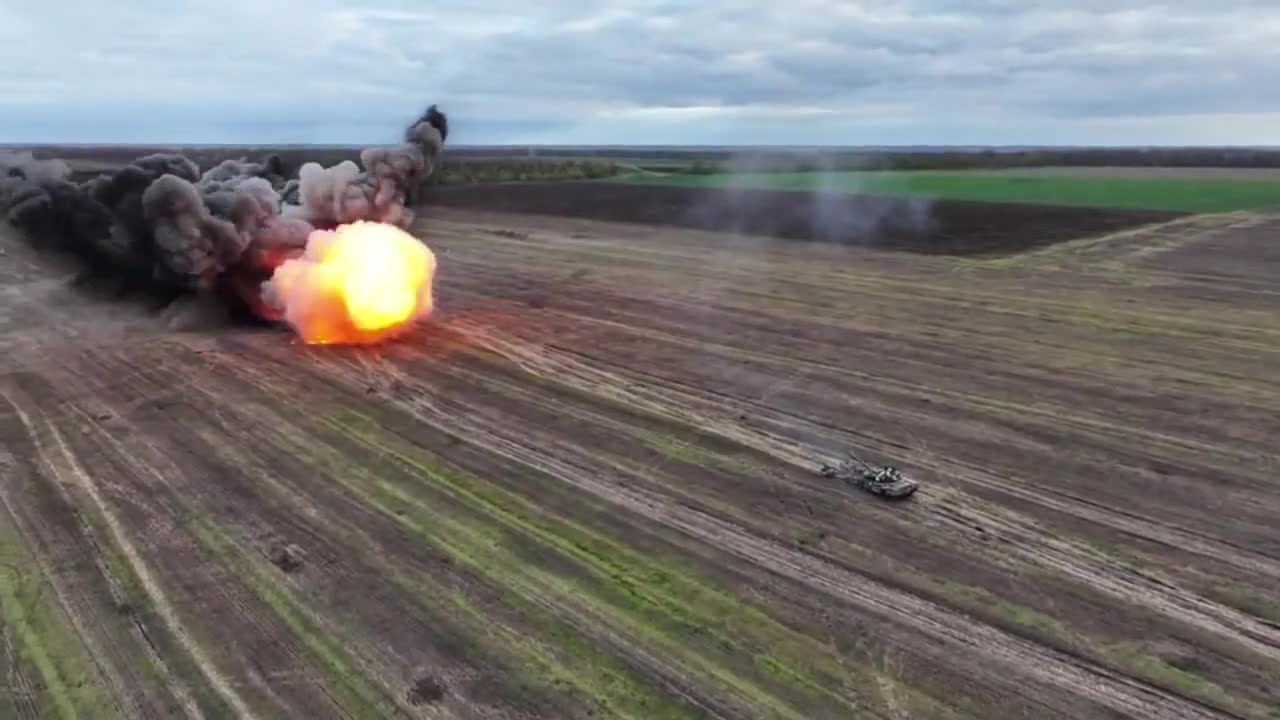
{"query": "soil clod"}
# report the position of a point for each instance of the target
(427, 690)
(289, 558)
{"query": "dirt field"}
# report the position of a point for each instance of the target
(946, 227)
(587, 487)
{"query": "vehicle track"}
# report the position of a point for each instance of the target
(544, 502)
(713, 410)
(1014, 655)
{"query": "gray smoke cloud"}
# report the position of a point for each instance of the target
(228, 173)
(833, 207)
(254, 210)
(163, 224)
(38, 196)
(191, 247)
(128, 247)
(344, 193)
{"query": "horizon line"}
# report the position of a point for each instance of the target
(1012, 147)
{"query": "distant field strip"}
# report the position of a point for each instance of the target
(1200, 195)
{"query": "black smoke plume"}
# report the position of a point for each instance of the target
(160, 223)
(37, 196)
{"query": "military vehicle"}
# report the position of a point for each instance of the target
(886, 480)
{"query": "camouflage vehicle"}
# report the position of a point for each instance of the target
(885, 481)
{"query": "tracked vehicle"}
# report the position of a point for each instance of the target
(886, 480)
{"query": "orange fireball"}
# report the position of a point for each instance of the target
(360, 283)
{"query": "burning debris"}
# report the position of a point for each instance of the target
(163, 225)
(885, 481)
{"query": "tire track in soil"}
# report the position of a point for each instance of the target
(73, 473)
(74, 568)
(579, 615)
(1011, 653)
(961, 514)
(959, 511)
(274, 665)
(85, 587)
(249, 432)
(663, 664)
(1172, 534)
(896, 305)
(935, 658)
(251, 429)
(719, 409)
(19, 693)
(642, 325)
(137, 492)
(204, 588)
(938, 666)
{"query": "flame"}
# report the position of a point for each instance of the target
(360, 283)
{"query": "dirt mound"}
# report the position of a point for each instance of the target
(910, 224)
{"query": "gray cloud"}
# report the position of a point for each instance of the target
(665, 71)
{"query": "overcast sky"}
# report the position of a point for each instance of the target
(644, 71)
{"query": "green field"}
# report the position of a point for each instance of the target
(1198, 195)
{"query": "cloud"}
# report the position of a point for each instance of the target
(647, 71)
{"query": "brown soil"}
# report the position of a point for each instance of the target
(945, 227)
(587, 486)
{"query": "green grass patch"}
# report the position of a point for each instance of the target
(984, 602)
(664, 434)
(712, 652)
(1248, 601)
(738, 646)
(562, 657)
(570, 662)
(506, 170)
(134, 602)
(1134, 659)
(515, 670)
(1194, 195)
(46, 644)
(688, 450)
(1121, 555)
(908, 703)
(347, 680)
(1128, 657)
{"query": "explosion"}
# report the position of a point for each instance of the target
(161, 225)
(360, 283)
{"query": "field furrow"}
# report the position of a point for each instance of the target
(587, 486)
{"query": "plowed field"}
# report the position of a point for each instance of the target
(896, 222)
(586, 487)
